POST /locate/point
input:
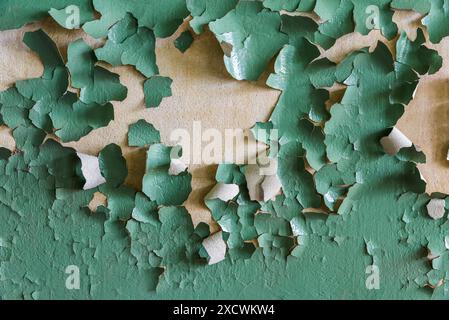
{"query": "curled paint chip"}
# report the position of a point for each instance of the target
(155, 89)
(129, 44)
(223, 191)
(90, 167)
(50, 107)
(73, 119)
(436, 208)
(253, 34)
(395, 141)
(262, 187)
(205, 11)
(158, 184)
(97, 84)
(215, 247)
(113, 165)
(184, 41)
(176, 167)
(142, 133)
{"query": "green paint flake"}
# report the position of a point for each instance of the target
(436, 13)
(296, 181)
(11, 17)
(341, 17)
(155, 89)
(275, 236)
(244, 221)
(74, 119)
(254, 36)
(142, 133)
(113, 165)
(411, 154)
(230, 174)
(184, 41)
(4, 153)
(436, 20)
(97, 84)
(421, 6)
(62, 164)
(362, 13)
(161, 16)
(153, 243)
(205, 11)
(145, 210)
(129, 44)
(158, 184)
(418, 57)
(300, 77)
(43, 105)
(299, 29)
(53, 82)
(278, 5)
(236, 219)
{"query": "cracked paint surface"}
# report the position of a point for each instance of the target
(345, 203)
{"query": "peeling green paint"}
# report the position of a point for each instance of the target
(184, 41)
(254, 36)
(158, 15)
(157, 178)
(346, 204)
(142, 133)
(155, 89)
(129, 44)
(97, 84)
(14, 15)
